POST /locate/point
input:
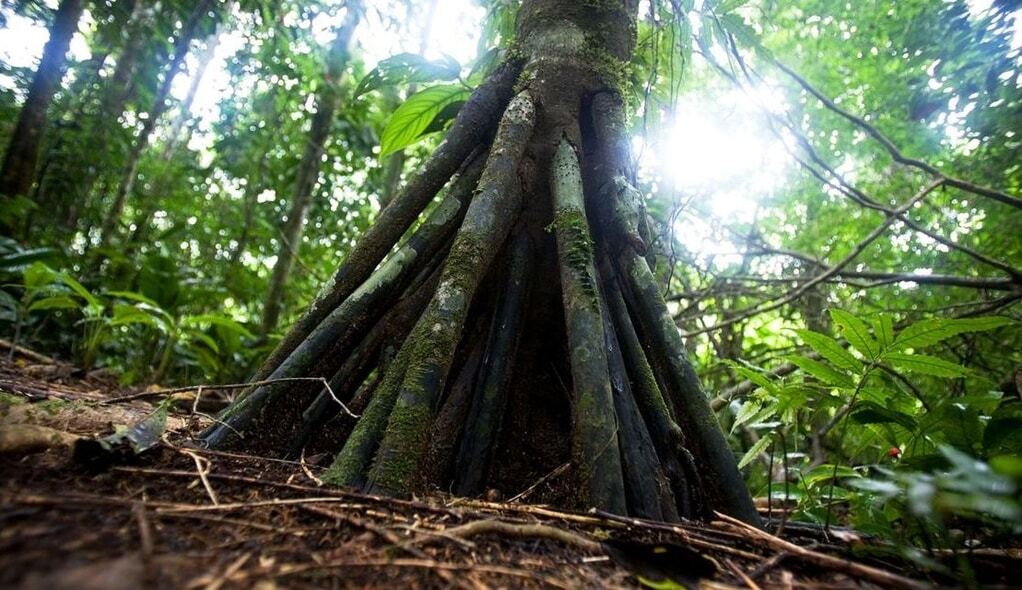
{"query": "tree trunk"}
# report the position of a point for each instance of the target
(177, 135)
(127, 183)
(327, 102)
(545, 338)
(177, 138)
(22, 153)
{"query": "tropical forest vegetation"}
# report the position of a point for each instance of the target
(748, 262)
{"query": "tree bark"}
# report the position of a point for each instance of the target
(22, 153)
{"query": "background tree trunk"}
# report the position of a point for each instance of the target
(22, 153)
(127, 183)
(327, 102)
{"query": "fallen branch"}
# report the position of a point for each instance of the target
(28, 353)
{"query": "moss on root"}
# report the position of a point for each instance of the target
(573, 229)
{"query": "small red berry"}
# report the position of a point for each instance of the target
(894, 452)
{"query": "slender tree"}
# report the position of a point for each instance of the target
(328, 100)
(519, 326)
(22, 153)
(182, 44)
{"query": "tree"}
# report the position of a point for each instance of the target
(22, 153)
(182, 44)
(520, 314)
(327, 103)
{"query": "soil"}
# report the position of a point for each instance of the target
(174, 517)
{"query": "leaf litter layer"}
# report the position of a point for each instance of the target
(179, 518)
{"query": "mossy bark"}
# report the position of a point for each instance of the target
(430, 346)
(595, 428)
(482, 424)
(469, 130)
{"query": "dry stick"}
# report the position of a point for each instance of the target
(308, 472)
(336, 493)
(742, 575)
(202, 466)
(232, 521)
(162, 392)
(229, 571)
(823, 560)
(687, 535)
(797, 292)
(526, 531)
(893, 149)
(257, 504)
(298, 568)
(28, 353)
(387, 536)
(556, 472)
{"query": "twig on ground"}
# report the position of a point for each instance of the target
(824, 560)
(202, 466)
(229, 571)
(528, 531)
(164, 392)
(556, 472)
(308, 472)
(28, 353)
(290, 569)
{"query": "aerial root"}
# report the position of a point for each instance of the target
(344, 328)
(394, 432)
(487, 407)
(594, 423)
(470, 129)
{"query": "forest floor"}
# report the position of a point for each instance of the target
(175, 517)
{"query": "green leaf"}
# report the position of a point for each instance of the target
(867, 412)
(1003, 434)
(752, 375)
(754, 451)
(55, 302)
(831, 350)
(408, 68)
(856, 333)
(214, 319)
(127, 315)
(414, 116)
(883, 327)
(38, 275)
(824, 373)
(927, 365)
(745, 413)
(929, 332)
(826, 472)
(205, 339)
(133, 296)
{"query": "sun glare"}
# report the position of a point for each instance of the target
(721, 158)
